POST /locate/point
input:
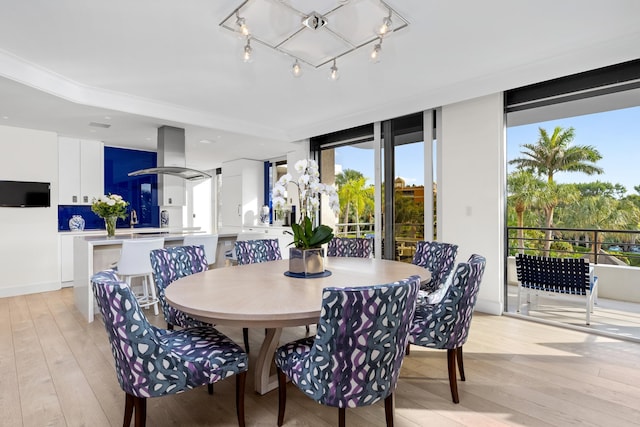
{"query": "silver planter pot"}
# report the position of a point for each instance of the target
(306, 261)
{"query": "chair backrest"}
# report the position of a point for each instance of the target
(135, 343)
(254, 251)
(438, 258)
(170, 264)
(209, 241)
(451, 318)
(134, 257)
(349, 247)
(360, 342)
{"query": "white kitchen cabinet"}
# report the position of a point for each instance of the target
(80, 171)
(66, 259)
(242, 192)
(231, 209)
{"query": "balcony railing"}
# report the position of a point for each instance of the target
(618, 247)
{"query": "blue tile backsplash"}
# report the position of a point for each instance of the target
(91, 220)
(140, 191)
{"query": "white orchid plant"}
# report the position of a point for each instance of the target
(309, 190)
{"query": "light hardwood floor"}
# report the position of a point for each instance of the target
(57, 370)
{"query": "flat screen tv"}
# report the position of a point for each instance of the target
(25, 194)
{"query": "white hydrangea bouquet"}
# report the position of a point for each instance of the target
(309, 190)
(110, 208)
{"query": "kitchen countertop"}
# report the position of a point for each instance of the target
(129, 231)
(119, 238)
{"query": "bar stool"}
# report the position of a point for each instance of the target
(208, 241)
(135, 261)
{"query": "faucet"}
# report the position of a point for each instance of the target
(133, 218)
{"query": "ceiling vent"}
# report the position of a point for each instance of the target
(99, 125)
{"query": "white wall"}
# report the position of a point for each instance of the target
(471, 188)
(29, 258)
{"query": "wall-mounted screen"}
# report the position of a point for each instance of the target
(25, 194)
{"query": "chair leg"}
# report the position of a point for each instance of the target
(451, 362)
(341, 417)
(388, 410)
(152, 287)
(170, 326)
(128, 409)
(588, 313)
(241, 380)
(210, 388)
(460, 363)
(135, 406)
(282, 395)
(140, 410)
(245, 335)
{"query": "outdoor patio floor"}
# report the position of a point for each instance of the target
(610, 318)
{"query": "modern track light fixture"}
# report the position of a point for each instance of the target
(333, 74)
(246, 55)
(314, 38)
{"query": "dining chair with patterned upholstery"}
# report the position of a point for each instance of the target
(254, 251)
(153, 362)
(355, 357)
(445, 325)
(259, 250)
(209, 243)
(349, 247)
(437, 257)
(170, 264)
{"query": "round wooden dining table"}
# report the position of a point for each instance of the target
(261, 296)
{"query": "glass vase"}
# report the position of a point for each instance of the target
(110, 225)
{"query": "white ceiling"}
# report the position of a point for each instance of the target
(148, 63)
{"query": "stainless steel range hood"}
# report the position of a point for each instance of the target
(186, 173)
(171, 157)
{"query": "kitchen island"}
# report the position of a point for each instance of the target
(95, 253)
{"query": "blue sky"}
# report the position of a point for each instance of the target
(615, 134)
(409, 162)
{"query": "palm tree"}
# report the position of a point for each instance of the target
(353, 193)
(549, 198)
(554, 153)
(524, 190)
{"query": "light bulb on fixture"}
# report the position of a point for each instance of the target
(333, 74)
(296, 69)
(375, 53)
(246, 55)
(242, 25)
(386, 27)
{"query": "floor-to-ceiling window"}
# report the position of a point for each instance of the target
(360, 161)
(587, 206)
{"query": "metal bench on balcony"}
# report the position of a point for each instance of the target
(572, 276)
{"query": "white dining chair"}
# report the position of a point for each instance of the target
(135, 261)
(208, 241)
